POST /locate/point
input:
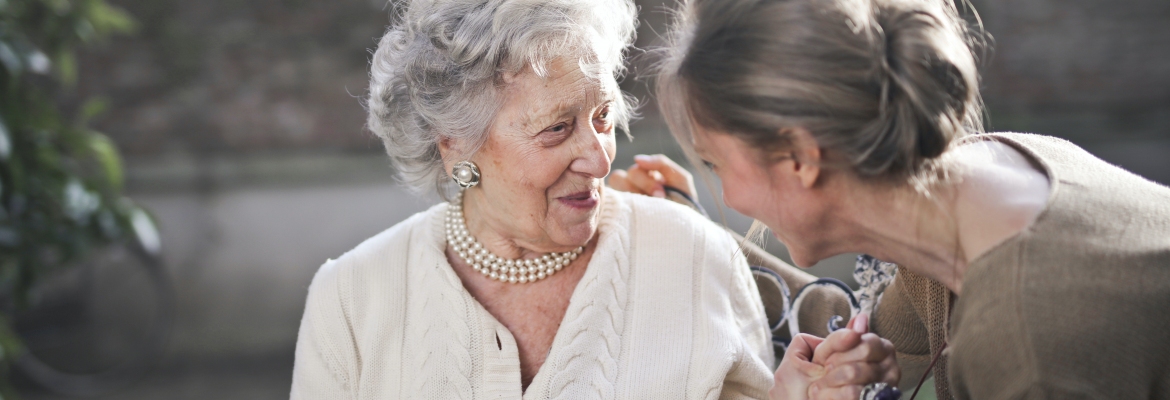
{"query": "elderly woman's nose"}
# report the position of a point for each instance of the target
(592, 155)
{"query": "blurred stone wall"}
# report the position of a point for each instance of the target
(226, 76)
(1094, 72)
(1071, 57)
(242, 77)
(215, 97)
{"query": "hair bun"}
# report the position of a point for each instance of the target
(930, 84)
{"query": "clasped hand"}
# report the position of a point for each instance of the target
(836, 367)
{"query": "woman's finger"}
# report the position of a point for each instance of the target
(893, 373)
(841, 340)
(803, 346)
(618, 180)
(797, 359)
(655, 175)
(859, 323)
(674, 175)
(853, 374)
(865, 371)
(838, 393)
(870, 348)
(641, 179)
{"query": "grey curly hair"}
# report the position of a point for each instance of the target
(438, 70)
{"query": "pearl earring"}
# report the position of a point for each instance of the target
(465, 173)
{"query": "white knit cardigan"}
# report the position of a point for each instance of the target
(666, 309)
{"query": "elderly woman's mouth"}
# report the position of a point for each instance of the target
(586, 199)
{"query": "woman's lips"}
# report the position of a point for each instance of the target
(580, 200)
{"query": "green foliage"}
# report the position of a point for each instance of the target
(60, 182)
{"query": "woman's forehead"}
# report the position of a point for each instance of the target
(707, 142)
(566, 89)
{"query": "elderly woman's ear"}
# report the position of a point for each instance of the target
(446, 147)
(451, 153)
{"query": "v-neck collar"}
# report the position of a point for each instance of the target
(608, 259)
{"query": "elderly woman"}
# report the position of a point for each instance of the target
(1029, 269)
(533, 280)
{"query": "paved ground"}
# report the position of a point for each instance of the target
(247, 378)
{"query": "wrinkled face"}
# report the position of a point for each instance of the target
(546, 156)
(772, 193)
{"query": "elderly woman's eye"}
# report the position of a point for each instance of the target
(558, 128)
(709, 165)
(555, 134)
(601, 122)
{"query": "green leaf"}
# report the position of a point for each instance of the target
(84, 30)
(60, 7)
(107, 155)
(92, 108)
(67, 67)
(10, 344)
(107, 19)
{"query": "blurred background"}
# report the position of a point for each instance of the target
(241, 131)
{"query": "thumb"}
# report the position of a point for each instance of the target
(802, 347)
(841, 340)
(799, 356)
(796, 373)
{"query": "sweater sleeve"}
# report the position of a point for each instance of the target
(896, 320)
(744, 380)
(326, 356)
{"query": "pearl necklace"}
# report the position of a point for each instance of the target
(498, 268)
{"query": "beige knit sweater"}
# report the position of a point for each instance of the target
(667, 309)
(1076, 306)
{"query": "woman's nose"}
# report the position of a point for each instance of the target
(593, 156)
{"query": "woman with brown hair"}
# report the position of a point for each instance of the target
(1028, 268)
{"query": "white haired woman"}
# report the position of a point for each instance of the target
(854, 126)
(533, 280)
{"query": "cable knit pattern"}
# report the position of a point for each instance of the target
(441, 358)
(665, 309)
(589, 369)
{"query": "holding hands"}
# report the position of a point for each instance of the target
(836, 367)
